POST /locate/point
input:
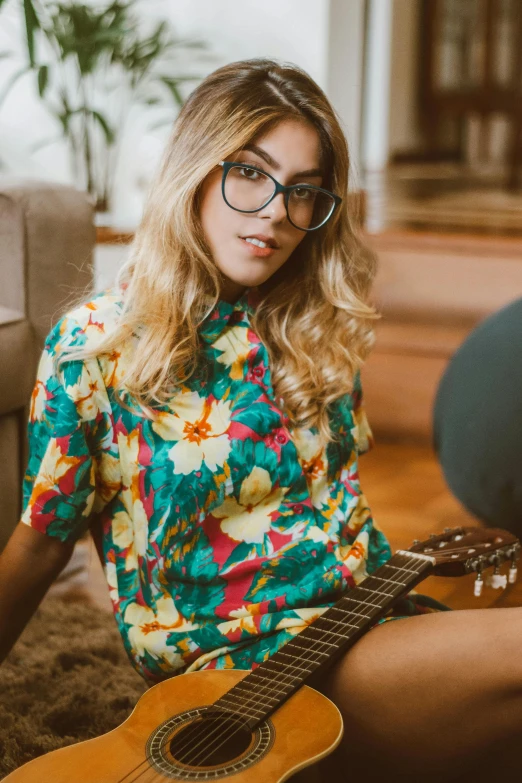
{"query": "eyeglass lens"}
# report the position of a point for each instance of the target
(249, 190)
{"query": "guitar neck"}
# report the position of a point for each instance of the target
(322, 642)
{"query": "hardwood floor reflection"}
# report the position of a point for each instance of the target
(443, 196)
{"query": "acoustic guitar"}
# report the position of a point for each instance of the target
(265, 724)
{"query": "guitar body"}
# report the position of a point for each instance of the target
(304, 729)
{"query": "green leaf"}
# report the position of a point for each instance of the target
(197, 44)
(180, 78)
(64, 116)
(109, 133)
(43, 79)
(32, 23)
(172, 86)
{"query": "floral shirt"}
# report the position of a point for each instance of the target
(224, 530)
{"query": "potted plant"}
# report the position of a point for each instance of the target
(92, 65)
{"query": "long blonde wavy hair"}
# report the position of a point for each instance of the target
(314, 315)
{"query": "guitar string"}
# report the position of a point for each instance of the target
(278, 679)
(228, 735)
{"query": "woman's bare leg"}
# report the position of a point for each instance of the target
(431, 697)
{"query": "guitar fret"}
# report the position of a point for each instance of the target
(397, 568)
(250, 677)
(294, 665)
(375, 592)
(366, 603)
(323, 630)
(328, 643)
(270, 684)
(326, 619)
(301, 649)
(273, 660)
(259, 674)
(224, 699)
(246, 689)
(382, 579)
(349, 611)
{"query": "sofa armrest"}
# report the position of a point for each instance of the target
(47, 238)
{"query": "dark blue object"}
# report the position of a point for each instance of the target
(477, 420)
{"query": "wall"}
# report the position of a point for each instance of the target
(405, 134)
(344, 77)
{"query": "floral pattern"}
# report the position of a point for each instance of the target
(225, 530)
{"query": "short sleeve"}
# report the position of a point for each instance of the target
(365, 437)
(59, 482)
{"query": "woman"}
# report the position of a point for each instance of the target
(204, 419)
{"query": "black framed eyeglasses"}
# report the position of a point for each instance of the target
(247, 188)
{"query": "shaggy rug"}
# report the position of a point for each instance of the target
(67, 679)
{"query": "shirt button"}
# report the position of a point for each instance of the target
(258, 372)
(237, 315)
(298, 509)
(280, 438)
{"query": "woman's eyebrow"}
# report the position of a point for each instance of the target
(275, 165)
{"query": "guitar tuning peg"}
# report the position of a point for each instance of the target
(513, 572)
(448, 529)
(416, 541)
(497, 580)
(479, 584)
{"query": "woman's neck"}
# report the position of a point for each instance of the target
(231, 292)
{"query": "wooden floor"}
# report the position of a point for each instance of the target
(409, 499)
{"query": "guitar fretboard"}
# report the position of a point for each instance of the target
(323, 641)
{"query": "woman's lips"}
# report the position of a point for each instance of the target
(255, 250)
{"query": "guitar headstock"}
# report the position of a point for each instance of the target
(462, 550)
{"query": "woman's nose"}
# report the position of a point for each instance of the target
(275, 209)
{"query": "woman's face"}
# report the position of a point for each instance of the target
(289, 149)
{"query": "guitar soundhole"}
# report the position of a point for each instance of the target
(200, 745)
(210, 741)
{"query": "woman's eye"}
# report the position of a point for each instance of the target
(248, 171)
(304, 193)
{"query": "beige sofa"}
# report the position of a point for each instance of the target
(47, 237)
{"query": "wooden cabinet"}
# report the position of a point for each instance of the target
(471, 64)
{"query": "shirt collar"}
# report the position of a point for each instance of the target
(224, 311)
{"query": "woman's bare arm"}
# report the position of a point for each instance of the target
(29, 564)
